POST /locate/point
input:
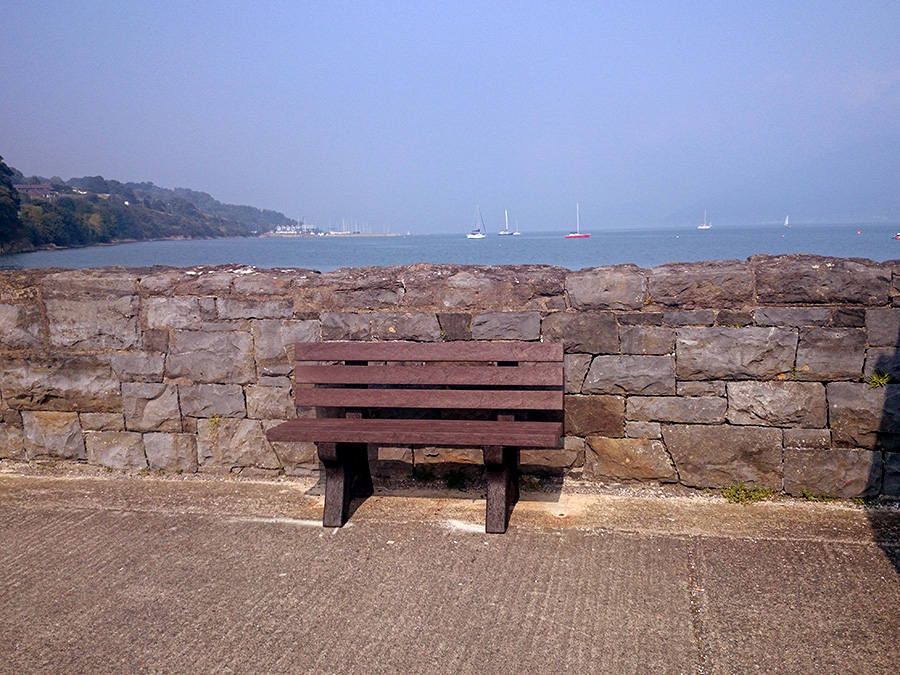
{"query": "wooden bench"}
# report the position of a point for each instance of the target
(501, 396)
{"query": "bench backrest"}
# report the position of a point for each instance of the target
(498, 376)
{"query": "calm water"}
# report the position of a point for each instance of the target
(646, 248)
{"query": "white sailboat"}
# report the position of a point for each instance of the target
(704, 225)
(506, 231)
(478, 232)
(787, 222)
(577, 234)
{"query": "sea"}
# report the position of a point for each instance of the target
(643, 247)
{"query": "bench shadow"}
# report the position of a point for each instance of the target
(883, 485)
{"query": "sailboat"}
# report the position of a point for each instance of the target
(478, 232)
(577, 234)
(506, 231)
(787, 223)
(704, 225)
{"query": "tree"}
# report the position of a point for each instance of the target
(10, 225)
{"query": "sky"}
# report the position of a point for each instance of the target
(403, 116)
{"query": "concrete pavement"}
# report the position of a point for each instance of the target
(148, 575)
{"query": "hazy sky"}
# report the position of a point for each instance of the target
(406, 115)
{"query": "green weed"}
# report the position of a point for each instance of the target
(808, 496)
(741, 494)
(879, 379)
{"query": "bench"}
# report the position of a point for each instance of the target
(500, 396)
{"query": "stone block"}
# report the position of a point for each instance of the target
(648, 317)
(116, 449)
(848, 317)
(201, 281)
(891, 486)
(183, 313)
(298, 459)
(138, 366)
(102, 421)
(108, 323)
(721, 353)
(507, 326)
(830, 354)
(552, 460)
(807, 439)
(718, 456)
(234, 308)
(583, 332)
(212, 400)
(810, 279)
(349, 288)
(777, 404)
(269, 403)
(678, 409)
(696, 317)
(392, 462)
(646, 340)
(414, 327)
(792, 316)
(273, 344)
(20, 326)
(89, 284)
(883, 327)
(227, 444)
(338, 326)
(441, 460)
(645, 375)
(627, 459)
(576, 368)
(716, 284)
(614, 287)
(53, 434)
(12, 442)
(594, 415)
(833, 473)
(212, 357)
(266, 282)
(643, 430)
(69, 383)
(864, 417)
(701, 388)
(172, 453)
(455, 326)
(882, 359)
(151, 407)
(734, 318)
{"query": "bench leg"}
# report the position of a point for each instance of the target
(347, 476)
(501, 466)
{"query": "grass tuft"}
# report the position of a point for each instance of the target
(741, 494)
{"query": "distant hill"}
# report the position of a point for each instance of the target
(95, 210)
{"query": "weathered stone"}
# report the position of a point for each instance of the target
(587, 332)
(627, 459)
(891, 486)
(830, 354)
(594, 415)
(809, 279)
(864, 417)
(777, 404)
(575, 368)
(273, 344)
(882, 360)
(227, 444)
(615, 287)
(102, 421)
(646, 340)
(116, 449)
(172, 453)
(808, 439)
(718, 456)
(507, 326)
(151, 407)
(20, 326)
(734, 318)
(791, 316)
(73, 383)
(177, 312)
(89, 284)
(53, 434)
(345, 326)
(442, 460)
(350, 288)
(456, 326)
(232, 308)
(700, 388)
(697, 317)
(211, 357)
(109, 323)
(138, 366)
(685, 409)
(155, 340)
(267, 282)
(702, 284)
(212, 400)
(644, 318)
(12, 442)
(202, 280)
(645, 375)
(848, 317)
(721, 353)
(833, 473)
(298, 459)
(414, 327)
(883, 327)
(552, 460)
(643, 430)
(269, 403)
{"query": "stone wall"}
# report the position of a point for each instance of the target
(705, 374)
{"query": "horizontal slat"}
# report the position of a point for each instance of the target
(537, 375)
(470, 399)
(419, 432)
(429, 351)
